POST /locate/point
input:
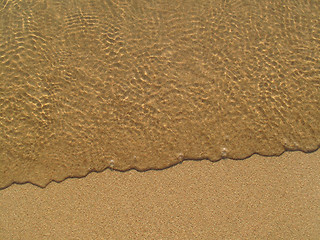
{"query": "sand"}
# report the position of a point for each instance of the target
(87, 85)
(256, 198)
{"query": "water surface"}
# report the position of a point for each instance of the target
(86, 85)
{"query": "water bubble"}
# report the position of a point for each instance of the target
(180, 156)
(111, 164)
(224, 152)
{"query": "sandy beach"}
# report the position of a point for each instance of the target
(256, 198)
(119, 85)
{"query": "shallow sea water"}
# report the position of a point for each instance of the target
(86, 85)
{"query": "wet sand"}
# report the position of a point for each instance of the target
(256, 198)
(87, 85)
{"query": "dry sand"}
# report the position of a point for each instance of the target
(257, 198)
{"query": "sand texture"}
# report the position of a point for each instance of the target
(87, 85)
(257, 198)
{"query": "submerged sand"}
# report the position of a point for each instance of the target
(87, 85)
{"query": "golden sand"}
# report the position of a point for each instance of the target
(258, 198)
